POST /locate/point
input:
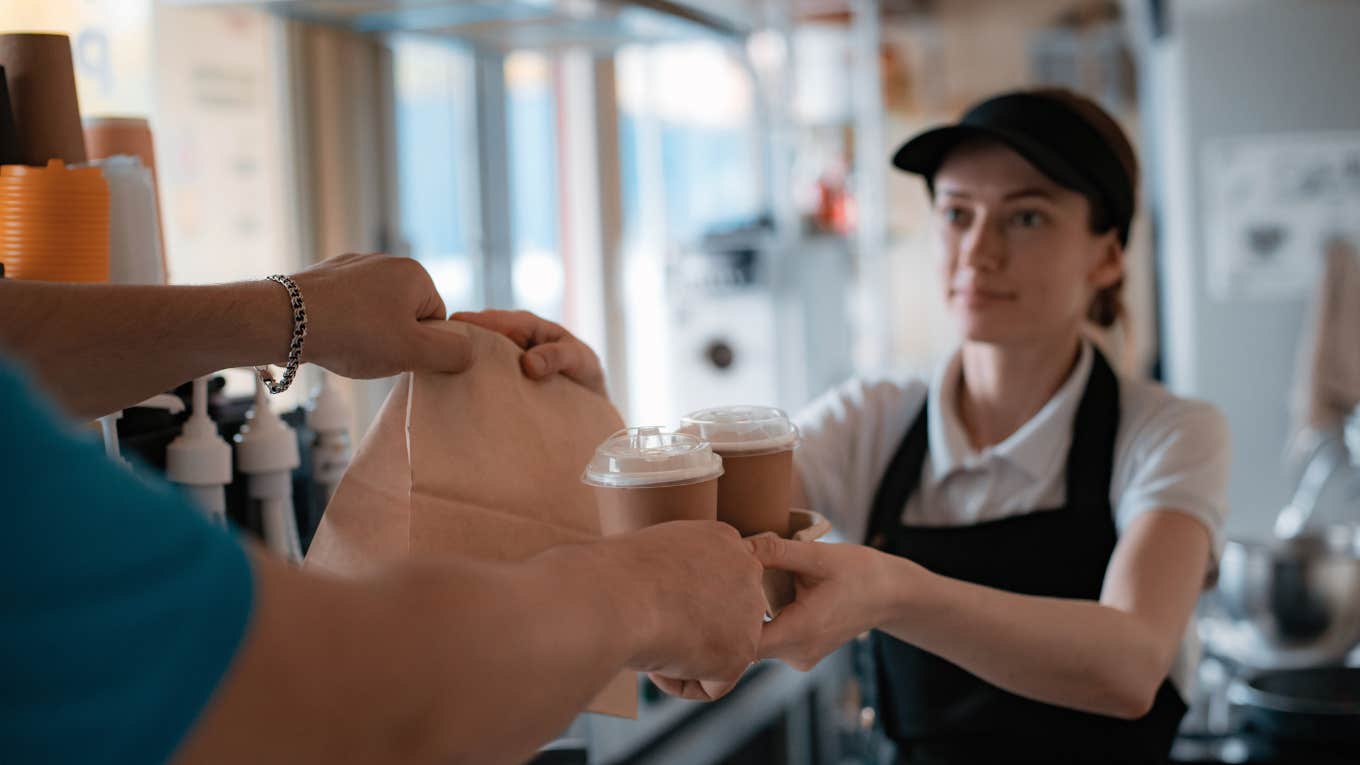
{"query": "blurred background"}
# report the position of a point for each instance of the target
(701, 191)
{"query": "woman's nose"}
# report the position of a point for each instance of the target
(982, 248)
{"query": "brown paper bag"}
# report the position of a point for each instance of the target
(485, 464)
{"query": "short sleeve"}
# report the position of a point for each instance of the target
(123, 606)
(824, 454)
(1179, 461)
(848, 434)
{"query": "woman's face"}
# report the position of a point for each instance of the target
(1020, 262)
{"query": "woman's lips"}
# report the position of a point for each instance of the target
(978, 297)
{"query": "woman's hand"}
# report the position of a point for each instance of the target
(693, 690)
(842, 591)
(548, 348)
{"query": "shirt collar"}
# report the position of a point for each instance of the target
(1034, 448)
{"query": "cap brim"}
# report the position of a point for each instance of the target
(924, 154)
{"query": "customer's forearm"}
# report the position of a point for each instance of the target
(436, 662)
(525, 656)
(99, 348)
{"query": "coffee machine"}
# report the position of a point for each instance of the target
(756, 319)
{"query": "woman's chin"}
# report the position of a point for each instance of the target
(990, 338)
(981, 327)
(998, 329)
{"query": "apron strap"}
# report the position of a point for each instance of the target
(899, 480)
(1090, 459)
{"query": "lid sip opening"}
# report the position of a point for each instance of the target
(743, 430)
(651, 456)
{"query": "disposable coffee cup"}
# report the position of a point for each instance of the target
(645, 476)
(756, 444)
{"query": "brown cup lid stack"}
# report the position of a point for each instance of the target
(743, 430)
(646, 457)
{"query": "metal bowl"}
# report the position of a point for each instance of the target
(1299, 598)
(1320, 704)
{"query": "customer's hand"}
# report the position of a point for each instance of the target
(695, 588)
(548, 347)
(364, 315)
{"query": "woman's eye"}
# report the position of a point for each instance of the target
(955, 215)
(1028, 219)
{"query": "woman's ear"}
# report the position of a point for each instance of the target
(1109, 265)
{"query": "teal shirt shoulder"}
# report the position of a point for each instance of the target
(122, 606)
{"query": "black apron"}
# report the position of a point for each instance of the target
(939, 713)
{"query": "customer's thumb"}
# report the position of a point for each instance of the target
(441, 347)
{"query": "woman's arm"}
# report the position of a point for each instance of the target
(451, 661)
(1107, 657)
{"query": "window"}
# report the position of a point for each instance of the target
(437, 165)
(706, 159)
(690, 165)
(538, 274)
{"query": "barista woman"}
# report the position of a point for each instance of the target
(1035, 526)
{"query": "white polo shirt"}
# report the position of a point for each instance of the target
(1170, 454)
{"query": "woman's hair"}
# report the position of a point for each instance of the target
(1107, 307)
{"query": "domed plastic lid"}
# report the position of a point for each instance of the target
(649, 456)
(750, 430)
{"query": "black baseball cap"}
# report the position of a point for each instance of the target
(1066, 136)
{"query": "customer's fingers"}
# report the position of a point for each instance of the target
(436, 349)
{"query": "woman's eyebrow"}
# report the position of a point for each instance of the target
(1030, 192)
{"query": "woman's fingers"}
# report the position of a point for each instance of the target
(516, 325)
(786, 555)
(549, 348)
(567, 358)
(527, 330)
(668, 685)
(793, 636)
(693, 690)
(780, 638)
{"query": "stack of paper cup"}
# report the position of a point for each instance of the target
(127, 136)
(11, 148)
(134, 231)
(54, 223)
(110, 136)
(40, 73)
